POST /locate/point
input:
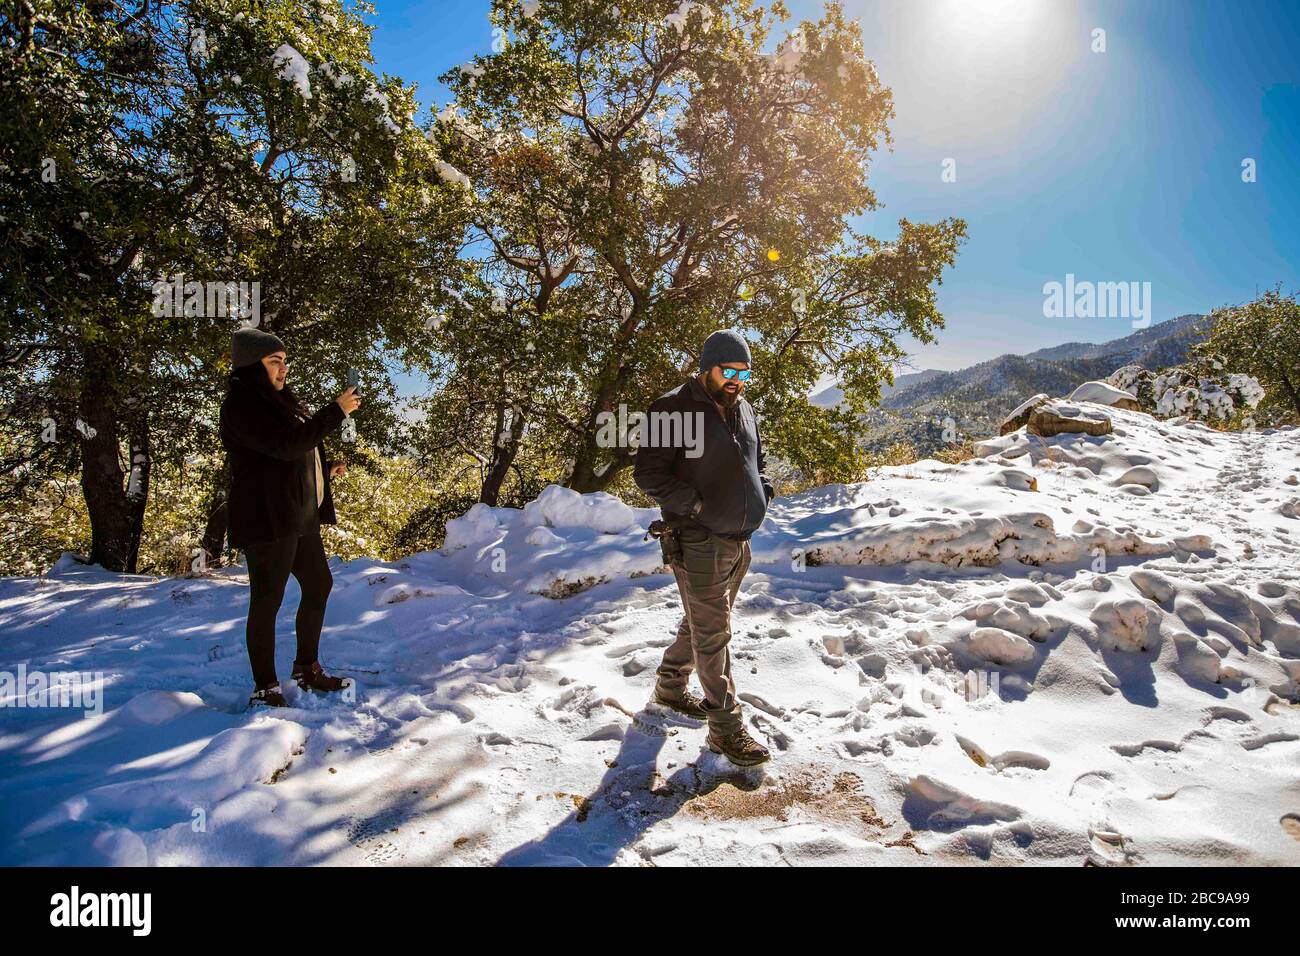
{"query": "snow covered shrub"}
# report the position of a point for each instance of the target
(1134, 379)
(1208, 395)
(1261, 339)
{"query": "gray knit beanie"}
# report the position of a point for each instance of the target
(723, 346)
(248, 346)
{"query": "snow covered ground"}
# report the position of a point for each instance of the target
(1074, 648)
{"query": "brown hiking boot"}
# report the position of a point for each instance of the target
(687, 704)
(313, 677)
(740, 748)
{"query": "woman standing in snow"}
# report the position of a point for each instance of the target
(279, 497)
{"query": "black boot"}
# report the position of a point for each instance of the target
(312, 677)
(268, 696)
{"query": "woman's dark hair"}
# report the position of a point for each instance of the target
(255, 377)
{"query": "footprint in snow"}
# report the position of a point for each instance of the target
(653, 720)
(939, 806)
(1274, 738)
(1291, 825)
(1111, 846)
(914, 736)
(1134, 750)
(370, 836)
(1002, 761)
(775, 735)
(1225, 713)
(625, 649)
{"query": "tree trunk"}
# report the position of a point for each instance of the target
(137, 489)
(593, 479)
(510, 428)
(1291, 390)
(584, 478)
(214, 533)
(101, 467)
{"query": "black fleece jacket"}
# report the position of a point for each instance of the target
(270, 454)
(727, 482)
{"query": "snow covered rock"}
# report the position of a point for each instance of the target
(1103, 393)
(1016, 480)
(1154, 585)
(543, 537)
(1196, 659)
(1055, 418)
(1127, 624)
(1140, 475)
(1001, 647)
(1019, 417)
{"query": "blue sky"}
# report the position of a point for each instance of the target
(1115, 166)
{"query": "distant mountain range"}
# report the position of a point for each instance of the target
(918, 406)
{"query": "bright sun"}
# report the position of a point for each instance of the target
(985, 24)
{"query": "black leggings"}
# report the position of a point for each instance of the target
(269, 567)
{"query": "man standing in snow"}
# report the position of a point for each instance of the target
(712, 501)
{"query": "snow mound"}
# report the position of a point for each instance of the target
(156, 707)
(558, 507)
(477, 526)
(103, 822)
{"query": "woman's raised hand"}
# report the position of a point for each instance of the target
(349, 401)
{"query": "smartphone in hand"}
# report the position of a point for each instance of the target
(354, 378)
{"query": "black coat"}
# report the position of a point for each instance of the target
(728, 477)
(269, 453)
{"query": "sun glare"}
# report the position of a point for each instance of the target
(985, 24)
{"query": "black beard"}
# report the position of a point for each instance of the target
(724, 397)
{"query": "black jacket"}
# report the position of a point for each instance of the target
(270, 454)
(726, 481)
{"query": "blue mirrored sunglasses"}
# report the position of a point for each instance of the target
(741, 373)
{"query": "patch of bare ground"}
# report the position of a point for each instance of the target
(839, 798)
